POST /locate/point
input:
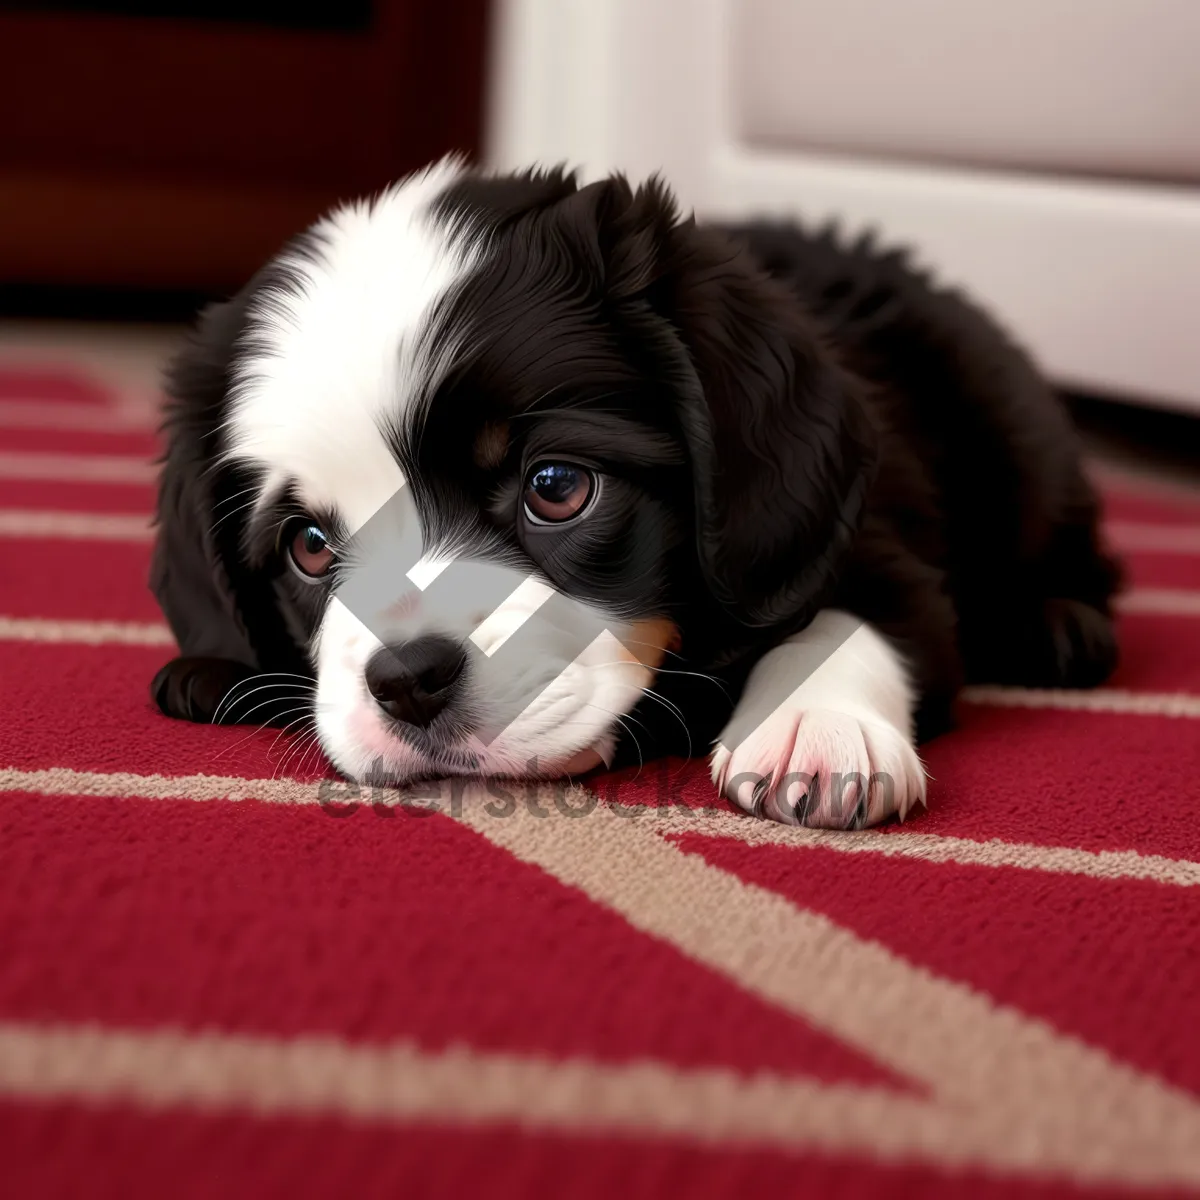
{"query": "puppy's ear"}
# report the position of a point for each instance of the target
(781, 445)
(216, 607)
(625, 233)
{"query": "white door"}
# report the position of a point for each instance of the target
(1045, 153)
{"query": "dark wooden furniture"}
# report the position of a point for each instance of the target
(142, 149)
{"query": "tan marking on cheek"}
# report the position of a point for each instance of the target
(491, 445)
(650, 641)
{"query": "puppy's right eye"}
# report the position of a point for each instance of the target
(309, 551)
(555, 492)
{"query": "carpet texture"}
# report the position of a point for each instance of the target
(221, 972)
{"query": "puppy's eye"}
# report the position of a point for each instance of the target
(556, 492)
(309, 550)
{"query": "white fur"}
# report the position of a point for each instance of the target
(847, 726)
(338, 359)
(332, 364)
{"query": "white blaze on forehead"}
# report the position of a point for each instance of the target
(334, 356)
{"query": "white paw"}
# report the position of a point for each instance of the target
(823, 768)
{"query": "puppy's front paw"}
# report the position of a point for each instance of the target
(822, 768)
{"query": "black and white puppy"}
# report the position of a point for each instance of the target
(525, 476)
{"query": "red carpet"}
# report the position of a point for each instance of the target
(219, 976)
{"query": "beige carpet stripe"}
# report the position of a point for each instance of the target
(929, 847)
(315, 1075)
(312, 1075)
(1167, 602)
(87, 633)
(1160, 539)
(1016, 1093)
(63, 781)
(108, 527)
(89, 468)
(77, 416)
(1010, 1092)
(1133, 480)
(1104, 700)
(1108, 864)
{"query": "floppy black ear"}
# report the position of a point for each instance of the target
(221, 611)
(188, 572)
(781, 445)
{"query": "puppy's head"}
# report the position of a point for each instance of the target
(491, 448)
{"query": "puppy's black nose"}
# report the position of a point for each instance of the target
(412, 681)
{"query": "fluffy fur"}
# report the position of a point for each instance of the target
(779, 429)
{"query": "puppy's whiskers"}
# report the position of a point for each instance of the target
(675, 711)
(672, 670)
(621, 719)
(305, 715)
(251, 491)
(255, 732)
(302, 737)
(305, 685)
(311, 741)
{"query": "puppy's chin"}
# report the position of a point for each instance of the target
(364, 749)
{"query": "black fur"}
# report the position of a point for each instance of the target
(222, 608)
(785, 422)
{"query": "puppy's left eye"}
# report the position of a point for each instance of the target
(556, 492)
(308, 550)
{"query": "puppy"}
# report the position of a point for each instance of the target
(503, 475)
